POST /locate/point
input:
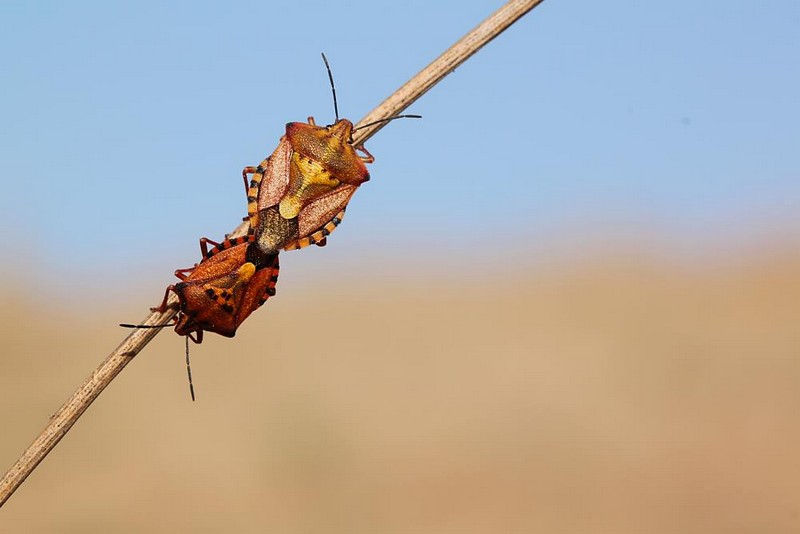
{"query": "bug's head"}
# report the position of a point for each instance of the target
(342, 129)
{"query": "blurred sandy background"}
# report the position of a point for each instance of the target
(567, 301)
(610, 393)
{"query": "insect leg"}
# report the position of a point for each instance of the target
(163, 307)
(367, 157)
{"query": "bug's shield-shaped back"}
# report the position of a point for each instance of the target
(305, 186)
(222, 291)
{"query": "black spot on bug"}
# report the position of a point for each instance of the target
(271, 291)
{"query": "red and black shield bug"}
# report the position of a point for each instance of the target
(298, 195)
(219, 293)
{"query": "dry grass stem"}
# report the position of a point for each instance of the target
(443, 65)
(68, 414)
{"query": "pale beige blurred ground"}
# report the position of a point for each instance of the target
(611, 395)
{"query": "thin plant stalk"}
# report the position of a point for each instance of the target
(68, 414)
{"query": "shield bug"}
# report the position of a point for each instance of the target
(219, 293)
(298, 195)
(223, 290)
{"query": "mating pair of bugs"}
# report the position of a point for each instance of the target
(295, 198)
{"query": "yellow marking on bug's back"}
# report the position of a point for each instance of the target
(311, 180)
(245, 272)
(290, 206)
(331, 145)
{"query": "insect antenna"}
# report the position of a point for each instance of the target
(189, 369)
(388, 120)
(188, 365)
(333, 88)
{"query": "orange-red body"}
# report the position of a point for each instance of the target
(218, 294)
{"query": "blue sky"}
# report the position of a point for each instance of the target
(126, 125)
